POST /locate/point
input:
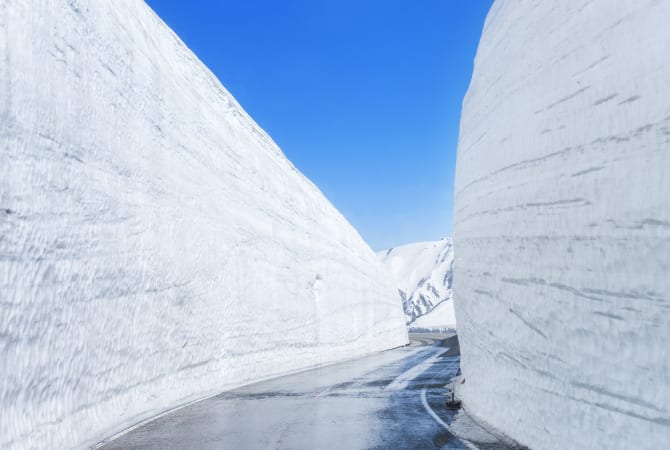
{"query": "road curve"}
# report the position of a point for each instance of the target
(389, 400)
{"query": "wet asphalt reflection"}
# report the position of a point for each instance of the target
(389, 400)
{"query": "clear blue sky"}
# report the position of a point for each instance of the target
(363, 96)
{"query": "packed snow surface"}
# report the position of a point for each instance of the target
(441, 318)
(422, 272)
(562, 225)
(155, 244)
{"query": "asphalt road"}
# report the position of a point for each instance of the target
(389, 400)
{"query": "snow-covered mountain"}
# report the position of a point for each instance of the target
(422, 272)
(155, 244)
(562, 225)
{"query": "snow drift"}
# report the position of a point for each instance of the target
(562, 225)
(155, 244)
(422, 272)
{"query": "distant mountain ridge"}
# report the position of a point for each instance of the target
(423, 273)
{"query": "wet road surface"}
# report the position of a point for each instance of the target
(389, 400)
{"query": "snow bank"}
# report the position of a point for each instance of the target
(441, 317)
(562, 225)
(422, 272)
(155, 244)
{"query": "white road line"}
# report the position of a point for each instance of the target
(430, 410)
(402, 380)
(437, 419)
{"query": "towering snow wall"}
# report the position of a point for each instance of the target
(562, 224)
(155, 245)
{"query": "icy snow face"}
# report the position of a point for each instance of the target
(422, 272)
(439, 319)
(155, 244)
(562, 225)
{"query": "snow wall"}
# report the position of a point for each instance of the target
(155, 245)
(562, 224)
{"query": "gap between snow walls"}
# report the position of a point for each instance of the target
(156, 245)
